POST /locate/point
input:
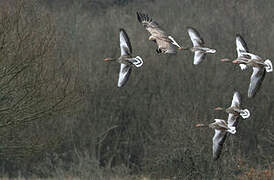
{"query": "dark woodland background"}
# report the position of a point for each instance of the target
(61, 113)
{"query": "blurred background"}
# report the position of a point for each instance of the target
(62, 115)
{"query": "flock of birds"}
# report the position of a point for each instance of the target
(166, 44)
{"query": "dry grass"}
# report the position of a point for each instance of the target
(253, 174)
(77, 178)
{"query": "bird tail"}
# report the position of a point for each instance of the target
(212, 51)
(268, 67)
(232, 130)
(138, 62)
(245, 113)
(243, 67)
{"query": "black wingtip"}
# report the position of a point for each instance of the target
(250, 96)
(193, 29)
(236, 92)
(121, 29)
(139, 17)
(243, 41)
(124, 34)
(189, 27)
(238, 35)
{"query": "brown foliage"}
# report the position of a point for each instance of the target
(33, 87)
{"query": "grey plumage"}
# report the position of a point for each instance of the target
(256, 80)
(165, 44)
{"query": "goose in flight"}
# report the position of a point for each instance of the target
(126, 60)
(241, 47)
(235, 110)
(166, 43)
(259, 68)
(245, 60)
(198, 46)
(221, 129)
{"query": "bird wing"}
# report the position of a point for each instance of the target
(221, 123)
(232, 120)
(256, 80)
(124, 73)
(166, 46)
(218, 141)
(195, 37)
(236, 100)
(198, 57)
(157, 32)
(241, 45)
(125, 45)
(252, 56)
(151, 26)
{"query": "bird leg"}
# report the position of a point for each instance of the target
(158, 50)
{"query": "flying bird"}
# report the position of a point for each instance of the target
(221, 129)
(245, 60)
(198, 46)
(241, 47)
(260, 67)
(126, 60)
(166, 43)
(235, 110)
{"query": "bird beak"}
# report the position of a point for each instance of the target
(198, 125)
(218, 109)
(235, 61)
(107, 59)
(225, 60)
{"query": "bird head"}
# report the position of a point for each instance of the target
(199, 125)
(218, 109)
(151, 38)
(225, 60)
(236, 61)
(108, 59)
